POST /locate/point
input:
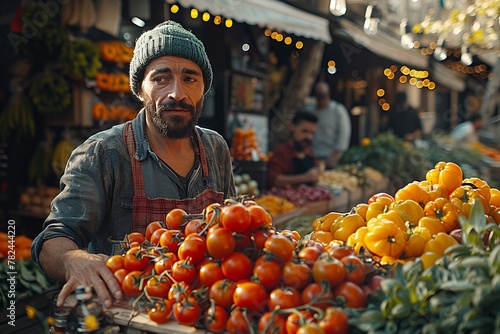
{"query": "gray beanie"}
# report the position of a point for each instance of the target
(167, 39)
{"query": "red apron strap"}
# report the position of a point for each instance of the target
(137, 178)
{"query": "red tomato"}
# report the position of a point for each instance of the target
(216, 319)
(260, 236)
(237, 266)
(320, 293)
(352, 294)
(183, 271)
(329, 269)
(268, 273)
(171, 240)
(335, 321)
(131, 284)
(258, 217)
(296, 274)
(280, 246)
(374, 197)
(220, 242)
(194, 226)
(158, 286)
(210, 210)
(294, 321)
(193, 247)
(284, 298)
(136, 259)
(153, 226)
(235, 217)
(356, 269)
(134, 237)
(161, 311)
(120, 275)
(175, 218)
(237, 323)
(187, 312)
(179, 291)
(155, 237)
(222, 292)
(271, 324)
(340, 251)
(115, 262)
(251, 295)
(309, 254)
(310, 328)
(210, 272)
(165, 262)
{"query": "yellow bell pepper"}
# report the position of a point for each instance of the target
(380, 205)
(464, 196)
(346, 225)
(385, 238)
(414, 192)
(433, 224)
(445, 211)
(480, 185)
(434, 190)
(447, 174)
(439, 243)
(409, 210)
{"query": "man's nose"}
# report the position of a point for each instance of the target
(177, 91)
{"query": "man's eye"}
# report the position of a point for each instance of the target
(158, 79)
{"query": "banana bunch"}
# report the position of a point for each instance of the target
(50, 93)
(17, 116)
(80, 59)
(41, 162)
(61, 155)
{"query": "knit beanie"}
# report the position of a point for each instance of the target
(167, 39)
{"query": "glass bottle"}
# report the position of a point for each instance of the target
(87, 316)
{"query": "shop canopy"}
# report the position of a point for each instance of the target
(266, 13)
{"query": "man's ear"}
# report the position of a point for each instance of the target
(140, 94)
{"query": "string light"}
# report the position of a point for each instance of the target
(229, 23)
(174, 9)
(194, 13)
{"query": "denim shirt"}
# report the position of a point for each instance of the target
(95, 201)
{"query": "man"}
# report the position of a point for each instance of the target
(333, 134)
(294, 162)
(404, 121)
(466, 132)
(122, 179)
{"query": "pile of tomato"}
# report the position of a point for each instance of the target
(229, 270)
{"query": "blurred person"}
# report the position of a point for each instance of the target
(294, 162)
(466, 132)
(333, 133)
(121, 179)
(404, 121)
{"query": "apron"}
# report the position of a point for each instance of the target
(145, 209)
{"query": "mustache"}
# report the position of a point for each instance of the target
(177, 105)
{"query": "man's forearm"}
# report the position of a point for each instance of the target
(51, 257)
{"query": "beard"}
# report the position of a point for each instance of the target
(300, 146)
(176, 127)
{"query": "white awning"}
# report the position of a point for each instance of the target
(266, 13)
(384, 45)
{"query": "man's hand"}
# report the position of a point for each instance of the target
(313, 174)
(83, 268)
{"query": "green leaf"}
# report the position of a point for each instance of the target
(369, 321)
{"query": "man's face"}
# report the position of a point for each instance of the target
(302, 135)
(172, 94)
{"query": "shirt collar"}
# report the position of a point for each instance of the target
(141, 140)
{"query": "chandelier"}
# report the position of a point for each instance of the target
(472, 26)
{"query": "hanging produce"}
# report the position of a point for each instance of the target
(80, 59)
(50, 93)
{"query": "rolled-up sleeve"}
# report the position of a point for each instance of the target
(79, 209)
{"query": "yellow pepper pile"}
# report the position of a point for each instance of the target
(420, 220)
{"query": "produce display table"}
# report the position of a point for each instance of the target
(341, 202)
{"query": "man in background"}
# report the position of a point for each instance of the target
(293, 162)
(466, 132)
(333, 133)
(403, 119)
